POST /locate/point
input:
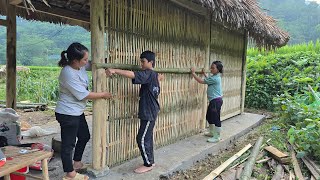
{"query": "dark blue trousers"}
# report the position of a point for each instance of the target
(145, 141)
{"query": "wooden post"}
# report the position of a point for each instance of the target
(243, 71)
(99, 141)
(206, 67)
(11, 56)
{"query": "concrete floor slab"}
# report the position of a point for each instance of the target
(178, 156)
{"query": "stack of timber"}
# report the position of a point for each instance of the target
(264, 163)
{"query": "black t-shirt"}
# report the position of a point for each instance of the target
(149, 91)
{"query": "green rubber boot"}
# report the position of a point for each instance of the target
(216, 137)
(210, 133)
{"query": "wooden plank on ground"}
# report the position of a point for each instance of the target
(311, 168)
(278, 155)
(275, 152)
(313, 164)
(296, 167)
(218, 170)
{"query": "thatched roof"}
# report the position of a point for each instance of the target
(233, 14)
(246, 14)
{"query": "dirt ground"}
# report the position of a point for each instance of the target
(203, 168)
(37, 118)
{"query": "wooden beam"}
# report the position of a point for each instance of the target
(296, 167)
(313, 168)
(11, 98)
(224, 165)
(244, 71)
(196, 8)
(99, 137)
(3, 22)
(59, 12)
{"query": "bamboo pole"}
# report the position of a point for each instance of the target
(97, 20)
(207, 64)
(224, 165)
(138, 68)
(246, 174)
(11, 82)
(244, 67)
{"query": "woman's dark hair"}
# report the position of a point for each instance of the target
(219, 66)
(75, 51)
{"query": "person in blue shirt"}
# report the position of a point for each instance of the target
(73, 96)
(148, 105)
(214, 94)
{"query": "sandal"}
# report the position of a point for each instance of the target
(77, 177)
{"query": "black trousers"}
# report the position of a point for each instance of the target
(145, 141)
(213, 112)
(72, 127)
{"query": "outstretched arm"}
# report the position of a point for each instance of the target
(125, 73)
(197, 78)
(98, 95)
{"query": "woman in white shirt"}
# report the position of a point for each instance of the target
(73, 96)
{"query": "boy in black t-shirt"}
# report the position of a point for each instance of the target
(148, 105)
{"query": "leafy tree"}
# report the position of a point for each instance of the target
(299, 18)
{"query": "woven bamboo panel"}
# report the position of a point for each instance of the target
(177, 38)
(227, 46)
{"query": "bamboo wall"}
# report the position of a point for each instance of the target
(179, 39)
(228, 46)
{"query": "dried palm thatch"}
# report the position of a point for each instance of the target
(246, 14)
(233, 14)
